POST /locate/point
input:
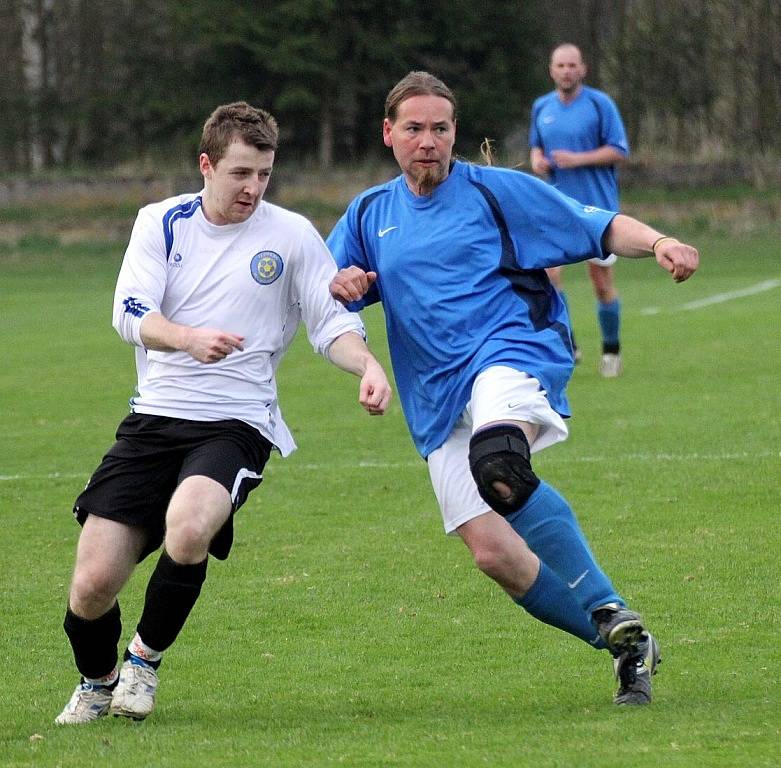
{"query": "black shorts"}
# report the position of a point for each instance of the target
(151, 457)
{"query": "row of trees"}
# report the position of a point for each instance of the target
(98, 82)
(690, 76)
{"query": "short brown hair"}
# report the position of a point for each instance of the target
(417, 84)
(228, 122)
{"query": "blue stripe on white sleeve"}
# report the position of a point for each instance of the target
(181, 211)
(135, 307)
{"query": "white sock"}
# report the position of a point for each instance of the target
(108, 679)
(139, 648)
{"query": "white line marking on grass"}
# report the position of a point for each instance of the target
(373, 464)
(47, 476)
(638, 457)
(718, 298)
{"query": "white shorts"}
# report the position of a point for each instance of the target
(498, 394)
(608, 261)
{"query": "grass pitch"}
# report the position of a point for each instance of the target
(345, 629)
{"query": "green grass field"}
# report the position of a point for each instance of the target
(345, 629)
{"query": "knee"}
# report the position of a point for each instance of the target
(187, 537)
(604, 288)
(198, 509)
(499, 459)
(605, 294)
(93, 591)
(490, 560)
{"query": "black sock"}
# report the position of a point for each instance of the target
(94, 642)
(170, 596)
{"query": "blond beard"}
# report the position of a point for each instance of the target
(428, 178)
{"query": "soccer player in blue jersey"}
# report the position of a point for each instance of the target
(480, 346)
(577, 141)
(211, 290)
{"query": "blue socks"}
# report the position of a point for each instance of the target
(570, 584)
(550, 600)
(609, 316)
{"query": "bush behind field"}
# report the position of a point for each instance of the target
(101, 208)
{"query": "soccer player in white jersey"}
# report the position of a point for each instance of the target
(211, 290)
(481, 352)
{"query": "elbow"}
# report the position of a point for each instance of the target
(117, 322)
(127, 327)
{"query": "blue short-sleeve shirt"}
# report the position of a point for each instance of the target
(590, 121)
(461, 276)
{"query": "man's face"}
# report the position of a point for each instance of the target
(567, 69)
(422, 138)
(235, 185)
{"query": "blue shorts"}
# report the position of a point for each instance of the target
(152, 455)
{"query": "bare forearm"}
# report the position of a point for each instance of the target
(162, 335)
(605, 155)
(350, 353)
(207, 345)
(630, 238)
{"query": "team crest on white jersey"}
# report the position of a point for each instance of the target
(266, 267)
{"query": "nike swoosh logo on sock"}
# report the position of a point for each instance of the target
(577, 581)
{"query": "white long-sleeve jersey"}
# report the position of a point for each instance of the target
(257, 279)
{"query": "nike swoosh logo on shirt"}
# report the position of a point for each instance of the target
(383, 232)
(577, 581)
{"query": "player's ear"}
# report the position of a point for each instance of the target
(205, 165)
(387, 126)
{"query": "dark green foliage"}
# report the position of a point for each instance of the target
(99, 83)
(130, 78)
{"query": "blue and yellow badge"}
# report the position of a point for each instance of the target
(266, 267)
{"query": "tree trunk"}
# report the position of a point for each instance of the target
(325, 146)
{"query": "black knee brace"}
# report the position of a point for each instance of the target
(501, 454)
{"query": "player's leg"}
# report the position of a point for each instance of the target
(121, 515)
(504, 556)
(224, 464)
(499, 458)
(509, 413)
(198, 509)
(608, 315)
(106, 556)
(554, 275)
(496, 548)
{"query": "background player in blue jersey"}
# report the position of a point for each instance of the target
(211, 290)
(480, 346)
(578, 140)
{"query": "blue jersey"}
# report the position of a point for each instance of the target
(461, 278)
(590, 121)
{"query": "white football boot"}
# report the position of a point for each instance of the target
(610, 365)
(88, 703)
(134, 695)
